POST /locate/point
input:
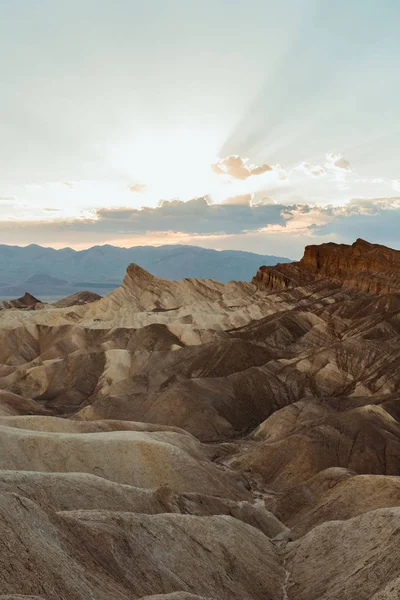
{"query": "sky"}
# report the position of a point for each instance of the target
(257, 125)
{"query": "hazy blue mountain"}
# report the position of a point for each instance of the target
(101, 268)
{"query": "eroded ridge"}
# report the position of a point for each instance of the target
(190, 439)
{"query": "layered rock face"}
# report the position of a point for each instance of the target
(188, 439)
(26, 301)
(362, 266)
(29, 302)
(77, 299)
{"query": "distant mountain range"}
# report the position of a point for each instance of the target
(45, 271)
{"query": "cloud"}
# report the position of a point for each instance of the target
(302, 219)
(337, 162)
(376, 220)
(282, 229)
(195, 216)
(237, 168)
(138, 188)
(396, 185)
(318, 200)
(242, 200)
(261, 199)
(371, 205)
(322, 181)
(311, 170)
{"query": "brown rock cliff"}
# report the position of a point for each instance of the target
(366, 267)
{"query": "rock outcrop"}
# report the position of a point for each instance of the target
(77, 299)
(27, 301)
(180, 440)
(362, 266)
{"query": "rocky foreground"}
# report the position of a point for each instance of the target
(189, 439)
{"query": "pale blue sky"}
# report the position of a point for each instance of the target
(103, 94)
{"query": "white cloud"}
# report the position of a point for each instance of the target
(236, 167)
(338, 163)
(242, 200)
(264, 202)
(138, 188)
(311, 170)
(396, 185)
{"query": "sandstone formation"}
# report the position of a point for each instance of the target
(361, 266)
(26, 301)
(180, 440)
(29, 302)
(77, 299)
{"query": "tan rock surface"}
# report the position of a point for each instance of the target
(77, 299)
(87, 554)
(353, 559)
(191, 439)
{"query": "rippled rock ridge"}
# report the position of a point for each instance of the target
(189, 439)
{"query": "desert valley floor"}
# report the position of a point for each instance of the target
(179, 440)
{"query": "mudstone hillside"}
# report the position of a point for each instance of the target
(183, 440)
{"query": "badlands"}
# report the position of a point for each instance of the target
(183, 440)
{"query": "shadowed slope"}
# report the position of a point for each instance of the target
(289, 489)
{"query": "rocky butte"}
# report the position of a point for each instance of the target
(362, 266)
(188, 440)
